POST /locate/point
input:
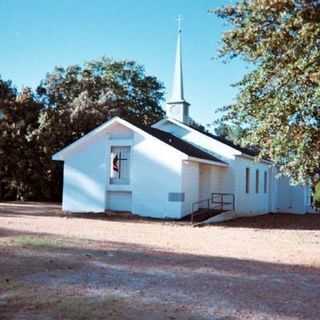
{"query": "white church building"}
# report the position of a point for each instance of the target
(170, 169)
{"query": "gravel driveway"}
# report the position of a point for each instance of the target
(93, 267)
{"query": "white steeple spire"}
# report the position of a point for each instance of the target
(177, 85)
(177, 107)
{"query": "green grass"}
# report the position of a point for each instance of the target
(37, 241)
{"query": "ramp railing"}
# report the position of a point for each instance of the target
(218, 201)
(223, 201)
(196, 206)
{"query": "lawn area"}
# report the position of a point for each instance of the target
(56, 266)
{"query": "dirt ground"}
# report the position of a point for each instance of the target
(56, 266)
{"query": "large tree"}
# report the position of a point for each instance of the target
(279, 99)
(69, 102)
(79, 98)
(21, 176)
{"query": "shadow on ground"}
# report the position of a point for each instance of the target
(48, 277)
(280, 221)
(283, 221)
(18, 209)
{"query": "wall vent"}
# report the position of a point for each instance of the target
(176, 196)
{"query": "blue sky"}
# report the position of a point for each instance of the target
(37, 35)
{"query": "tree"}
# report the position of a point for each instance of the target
(20, 169)
(69, 103)
(79, 98)
(279, 100)
(230, 131)
(102, 89)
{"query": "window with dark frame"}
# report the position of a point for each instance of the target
(257, 180)
(247, 180)
(265, 182)
(120, 165)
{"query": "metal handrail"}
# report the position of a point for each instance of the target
(222, 202)
(207, 201)
(212, 201)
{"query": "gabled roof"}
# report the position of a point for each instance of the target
(248, 151)
(178, 144)
(245, 151)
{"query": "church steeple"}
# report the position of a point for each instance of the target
(177, 85)
(177, 107)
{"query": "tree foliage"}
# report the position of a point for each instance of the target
(68, 103)
(231, 132)
(20, 172)
(79, 98)
(279, 100)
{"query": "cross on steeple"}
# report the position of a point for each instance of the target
(177, 106)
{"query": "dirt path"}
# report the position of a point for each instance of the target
(55, 267)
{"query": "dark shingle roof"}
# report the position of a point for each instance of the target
(179, 144)
(251, 151)
(246, 150)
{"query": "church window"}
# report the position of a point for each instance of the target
(120, 165)
(265, 182)
(247, 180)
(257, 180)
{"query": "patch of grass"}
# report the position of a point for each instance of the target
(37, 241)
(8, 284)
(34, 303)
(83, 308)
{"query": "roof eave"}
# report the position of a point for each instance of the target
(211, 162)
(63, 154)
(247, 156)
(237, 153)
